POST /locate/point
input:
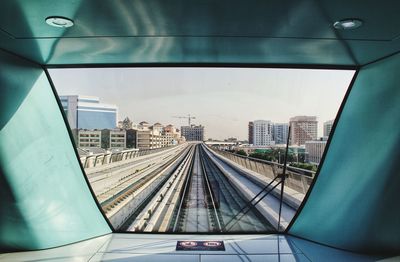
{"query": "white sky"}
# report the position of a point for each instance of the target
(224, 100)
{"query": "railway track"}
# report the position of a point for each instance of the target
(195, 197)
(230, 202)
(137, 189)
(197, 211)
(157, 214)
(209, 201)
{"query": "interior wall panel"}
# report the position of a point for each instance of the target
(354, 203)
(44, 199)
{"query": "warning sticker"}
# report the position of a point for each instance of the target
(200, 245)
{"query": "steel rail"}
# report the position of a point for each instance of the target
(185, 192)
(156, 207)
(202, 161)
(130, 189)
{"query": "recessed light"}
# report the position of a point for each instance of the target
(59, 21)
(346, 24)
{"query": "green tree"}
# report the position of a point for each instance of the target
(241, 152)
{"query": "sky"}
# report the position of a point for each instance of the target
(223, 100)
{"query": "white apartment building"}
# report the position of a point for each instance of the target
(328, 127)
(263, 133)
(157, 136)
(315, 150)
(149, 139)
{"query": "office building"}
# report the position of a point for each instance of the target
(113, 138)
(303, 128)
(328, 127)
(131, 138)
(251, 132)
(262, 133)
(86, 112)
(280, 132)
(193, 132)
(315, 150)
(88, 138)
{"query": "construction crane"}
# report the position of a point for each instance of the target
(188, 117)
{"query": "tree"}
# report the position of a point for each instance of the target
(241, 152)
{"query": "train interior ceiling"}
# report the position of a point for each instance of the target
(64, 197)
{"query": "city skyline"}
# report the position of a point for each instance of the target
(223, 100)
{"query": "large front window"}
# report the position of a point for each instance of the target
(200, 149)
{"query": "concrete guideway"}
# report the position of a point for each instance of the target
(183, 204)
(269, 206)
(118, 182)
(189, 189)
(230, 201)
(196, 198)
(196, 217)
(105, 178)
(126, 197)
(100, 170)
(157, 214)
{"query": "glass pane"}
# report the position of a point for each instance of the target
(200, 149)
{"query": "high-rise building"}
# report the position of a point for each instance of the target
(86, 112)
(262, 133)
(328, 127)
(280, 132)
(251, 132)
(303, 128)
(315, 150)
(193, 132)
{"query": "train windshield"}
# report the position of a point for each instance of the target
(197, 150)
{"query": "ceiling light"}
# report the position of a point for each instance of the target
(346, 24)
(59, 21)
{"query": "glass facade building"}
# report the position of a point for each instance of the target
(88, 113)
